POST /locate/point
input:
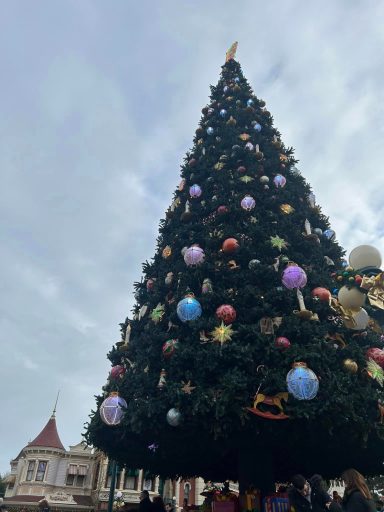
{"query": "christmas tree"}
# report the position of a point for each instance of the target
(249, 355)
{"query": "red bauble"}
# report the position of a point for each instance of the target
(230, 245)
(226, 313)
(241, 169)
(117, 371)
(377, 354)
(321, 293)
(192, 162)
(282, 342)
(150, 284)
(358, 280)
(222, 209)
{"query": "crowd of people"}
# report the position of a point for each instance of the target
(312, 496)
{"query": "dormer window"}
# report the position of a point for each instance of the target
(41, 468)
(30, 470)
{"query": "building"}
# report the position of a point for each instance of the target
(79, 479)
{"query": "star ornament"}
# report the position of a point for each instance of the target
(222, 333)
(278, 243)
(246, 179)
(158, 313)
(187, 388)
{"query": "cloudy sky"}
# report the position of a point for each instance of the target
(99, 102)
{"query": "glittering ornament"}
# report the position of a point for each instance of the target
(194, 256)
(112, 409)
(375, 372)
(174, 417)
(189, 309)
(181, 185)
(223, 112)
(350, 365)
(250, 102)
(244, 136)
(253, 264)
(157, 313)
(264, 179)
(249, 146)
(219, 166)
(318, 231)
(294, 277)
(257, 127)
(321, 293)
(207, 287)
(279, 181)
(210, 130)
(117, 371)
(246, 179)
(226, 89)
(192, 162)
(241, 169)
(282, 342)
(222, 210)
(330, 234)
(168, 278)
(302, 382)
(150, 285)
(286, 209)
(278, 243)
(223, 333)
(230, 245)
(162, 379)
(248, 203)
(226, 313)
(195, 191)
(169, 347)
(167, 251)
(377, 354)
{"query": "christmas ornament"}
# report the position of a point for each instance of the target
(278, 243)
(231, 121)
(162, 379)
(329, 234)
(150, 285)
(117, 371)
(253, 264)
(248, 203)
(246, 179)
(249, 102)
(271, 401)
(219, 166)
(206, 287)
(279, 181)
(302, 382)
(268, 324)
(223, 112)
(257, 127)
(153, 447)
(264, 179)
(249, 146)
(194, 256)
(226, 313)
(321, 293)
(241, 169)
(259, 154)
(195, 191)
(226, 89)
(210, 130)
(350, 298)
(287, 209)
(359, 320)
(365, 257)
(377, 354)
(222, 210)
(222, 333)
(169, 347)
(312, 200)
(174, 417)
(168, 278)
(167, 251)
(192, 162)
(189, 309)
(282, 342)
(187, 388)
(143, 311)
(183, 251)
(230, 245)
(375, 372)
(244, 137)
(294, 277)
(158, 313)
(112, 409)
(350, 365)
(303, 312)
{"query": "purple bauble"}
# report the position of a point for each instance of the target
(195, 191)
(248, 203)
(194, 256)
(279, 181)
(112, 409)
(294, 277)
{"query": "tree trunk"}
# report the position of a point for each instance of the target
(255, 469)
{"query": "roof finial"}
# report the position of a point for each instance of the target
(54, 409)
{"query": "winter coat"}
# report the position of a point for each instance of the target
(145, 505)
(319, 499)
(298, 502)
(355, 501)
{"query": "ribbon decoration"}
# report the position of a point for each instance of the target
(231, 52)
(345, 313)
(376, 292)
(268, 324)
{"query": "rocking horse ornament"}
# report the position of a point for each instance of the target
(272, 401)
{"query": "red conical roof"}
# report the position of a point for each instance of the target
(48, 437)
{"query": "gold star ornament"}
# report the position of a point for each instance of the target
(278, 243)
(187, 388)
(222, 333)
(157, 313)
(246, 179)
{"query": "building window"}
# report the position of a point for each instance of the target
(76, 475)
(41, 468)
(80, 479)
(187, 491)
(130, 481)
(30, 470)
(147, 484)
(70, 480)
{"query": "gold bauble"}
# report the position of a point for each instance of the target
(167, 251)
(350, 365)
(286, 208)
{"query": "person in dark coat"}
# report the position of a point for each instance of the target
(299, 495)
(158, 504)
(357, 497)
(320, 499)
(145, 504)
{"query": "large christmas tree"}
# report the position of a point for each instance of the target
(244, 287)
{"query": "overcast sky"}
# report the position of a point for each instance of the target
(99, 103)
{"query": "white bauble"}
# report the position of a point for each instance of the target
(361, 318)
(350, 298)
(365, 256)
(174, 417)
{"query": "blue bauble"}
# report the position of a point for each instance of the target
(188, 309)
(250, 102)
(237, 79)
(223, 112)
(112, 409)
(302, 382)
(210, 130)
(226, 89)
(330, 234)
(257, 127)
(344, 263)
